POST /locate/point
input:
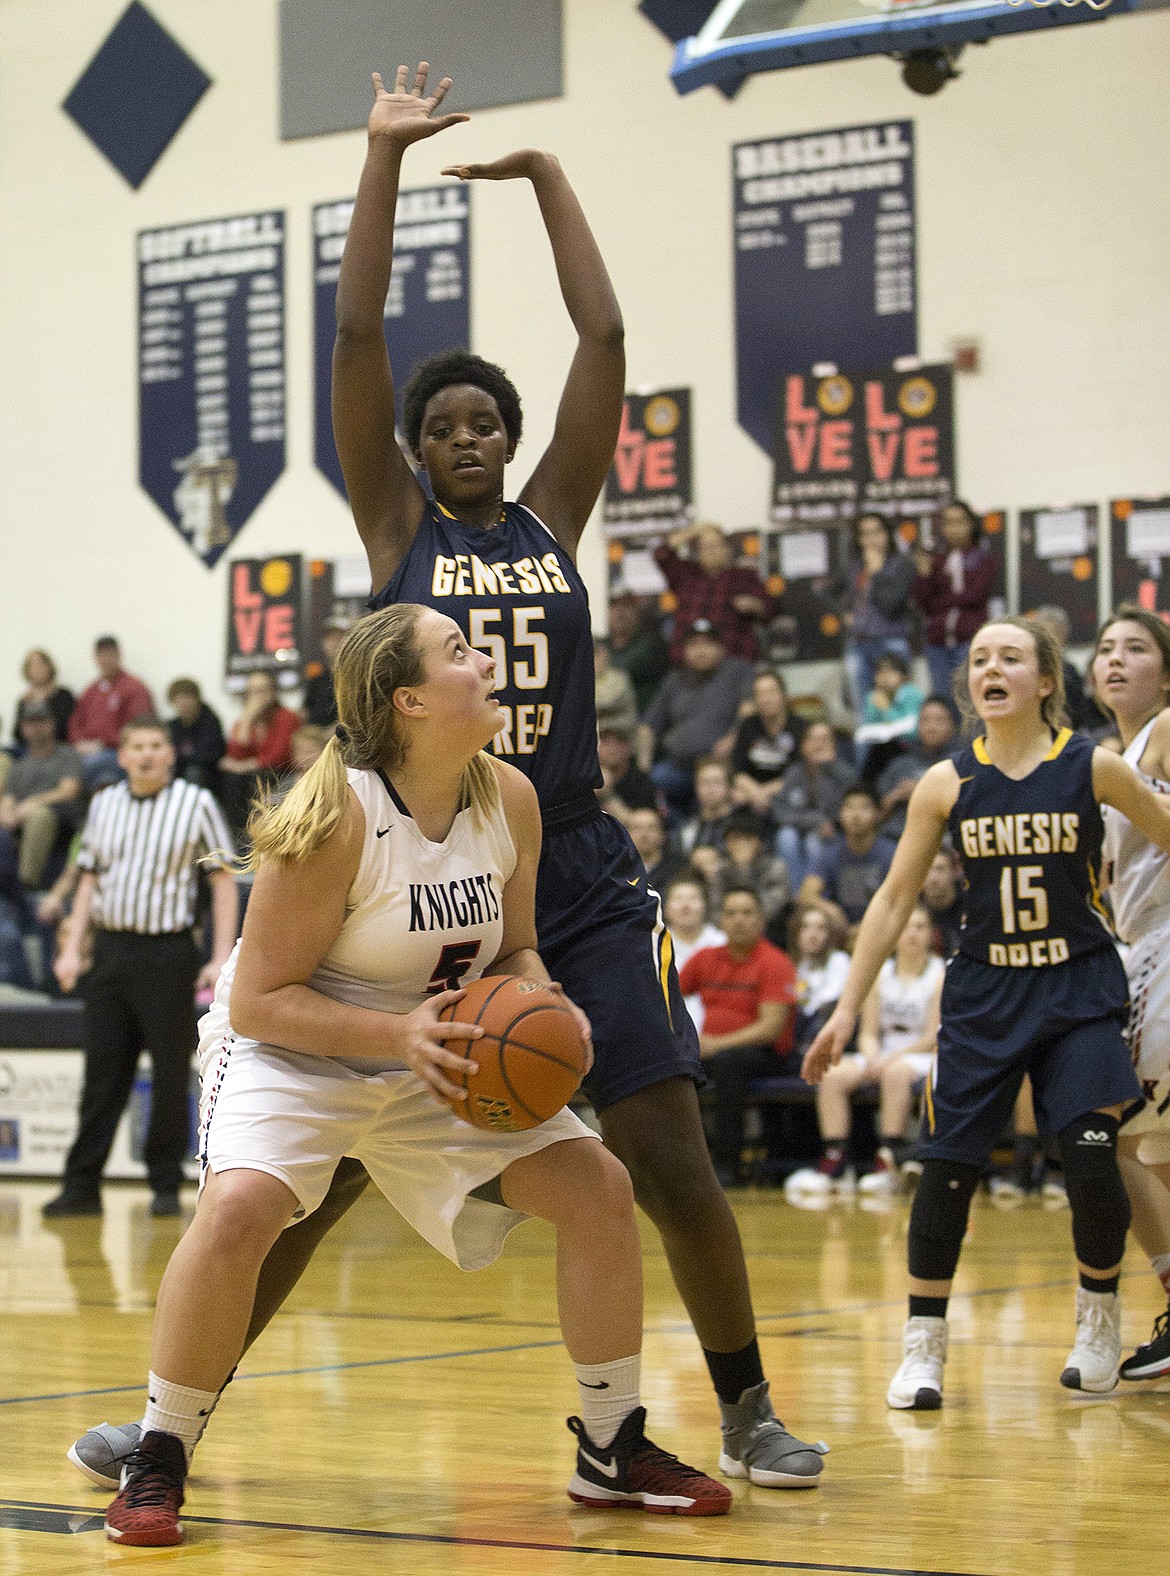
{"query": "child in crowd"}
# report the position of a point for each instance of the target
(849, 869)
(748, 861)
(706, 827)
(685, 908)
(808, 801)
(891, 707)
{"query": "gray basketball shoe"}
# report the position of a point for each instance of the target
(101, 1453)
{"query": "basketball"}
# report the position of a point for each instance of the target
(531, 1057)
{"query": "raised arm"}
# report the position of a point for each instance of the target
(564, 486)
(386, 500)
(888, 911)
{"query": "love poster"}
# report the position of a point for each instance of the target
(264, 619)
(648, 489)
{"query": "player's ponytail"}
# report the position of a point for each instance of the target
(291, 826)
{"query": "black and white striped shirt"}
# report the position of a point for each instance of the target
(145, 853)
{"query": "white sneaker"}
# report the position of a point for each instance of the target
(917, 1386)
(1093, 1362)
(809, 1180)
(884, 1178)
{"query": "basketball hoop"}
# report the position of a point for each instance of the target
(1093, 5)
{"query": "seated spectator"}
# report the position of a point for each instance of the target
(259, 747)
(40, 675)
(647, 830)
(713, 801)
(849, 869)
(196, 736)
(942, 896)
(694, 714)
(637, 647)
(707, 586)
(307, 743)
(808, 801)
(953, 586)
(103, 710)
(891, 707)
(625, 787)
(748, 991)
(685, 908)
(1082, 711)
(897, 1038)
(936, 737)
(765, 743)
(320, 702)
(821, 968)
(42, 800)
(613, 693)
(15, 921)
(748, 861)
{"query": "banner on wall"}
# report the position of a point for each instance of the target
(823, 233)
(265, 619)
(211, 373)
(803, 567)
(851, 441)
(427, 306)
(648, 489)
(1059, 565)
(338, 593)
(1141, 553)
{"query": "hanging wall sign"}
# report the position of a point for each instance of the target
(648, 488)
(211, 372)
(824, 257)
(1141, 553)
(804, 566)
(428, 303)
(265, 619)
(1058, 565)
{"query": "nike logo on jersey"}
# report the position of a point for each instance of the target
(1092, 1138)
(607, 1469)
(585, 1386)
(382, 830)
(634, 882)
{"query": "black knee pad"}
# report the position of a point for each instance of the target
(1096, 1192)
(938, 1220)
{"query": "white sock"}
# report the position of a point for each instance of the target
(1161, 1268)
(609, 1393)
(175, 1409)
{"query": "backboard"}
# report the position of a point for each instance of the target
(742, 37)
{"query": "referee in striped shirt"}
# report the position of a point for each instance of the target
(140, 853)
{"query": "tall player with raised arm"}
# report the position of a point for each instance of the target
(1035, 987)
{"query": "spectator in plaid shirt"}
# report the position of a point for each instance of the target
(707, 585)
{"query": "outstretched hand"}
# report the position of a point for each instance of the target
(521, 165)
(408, 114)
(825, 1051)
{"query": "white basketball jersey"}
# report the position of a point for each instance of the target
(421, 916)
(1139, 872)
(903, 1005)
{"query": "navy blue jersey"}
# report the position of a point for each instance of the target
(515, 592)
(1031, 853)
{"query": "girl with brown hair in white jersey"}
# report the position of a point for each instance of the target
(325, 1040)
(1131, 679)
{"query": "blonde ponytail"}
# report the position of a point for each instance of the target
(294, 825)
(481, 787)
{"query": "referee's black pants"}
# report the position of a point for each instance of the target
(139, 995)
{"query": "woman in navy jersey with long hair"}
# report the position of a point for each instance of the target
(1035, 987)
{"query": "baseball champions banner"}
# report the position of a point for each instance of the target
(211, 373)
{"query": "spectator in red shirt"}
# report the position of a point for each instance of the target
(706, 584)
(103, 710)
(259, 747)
(952, 590)
(748, 991)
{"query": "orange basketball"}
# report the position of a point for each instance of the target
(531, 1057)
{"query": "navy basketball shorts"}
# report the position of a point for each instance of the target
(602, 936)
(1063, 1025)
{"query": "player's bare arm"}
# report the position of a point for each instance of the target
(1116, 783)
(386, 499)
(926, 817)
(294, 916)
(569, 475)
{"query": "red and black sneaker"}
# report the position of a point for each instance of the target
(146, 1511)
(634, 1474)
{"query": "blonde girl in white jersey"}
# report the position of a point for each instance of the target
(325, 1041)
(1131, 679)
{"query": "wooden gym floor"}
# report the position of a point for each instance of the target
(401, 1415)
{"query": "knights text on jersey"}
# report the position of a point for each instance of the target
(515, 593)
(1031, 855)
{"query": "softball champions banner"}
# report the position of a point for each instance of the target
(1058, 565)
(1141, 552)
(211, 372)
(824, 258)
(427, 306)
(648, 489)
(863, 440)
(265, 619)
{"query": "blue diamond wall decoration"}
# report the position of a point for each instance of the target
(135, 93)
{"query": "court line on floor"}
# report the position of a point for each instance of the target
(738, 1561)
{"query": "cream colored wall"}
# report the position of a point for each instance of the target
(1044, 229)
